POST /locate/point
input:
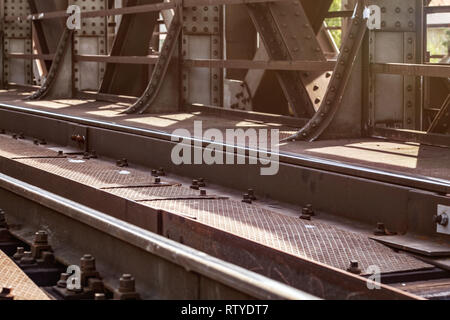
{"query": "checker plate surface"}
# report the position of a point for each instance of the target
(12, 148)
(22, 287)
(96, 173)
(314, 240)
(155, 193)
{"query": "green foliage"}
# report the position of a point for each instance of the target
(335, 22)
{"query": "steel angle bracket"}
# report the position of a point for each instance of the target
(151, 92)
(341, 75)
(55, 68)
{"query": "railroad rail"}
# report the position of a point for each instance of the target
(163, 268)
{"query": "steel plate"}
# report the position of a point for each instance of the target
(314, 240)
(22, 287)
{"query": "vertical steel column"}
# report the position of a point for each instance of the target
(202, 38)
(17, 38)
(393, 99)
(91, 39)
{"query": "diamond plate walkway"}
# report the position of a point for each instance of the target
(318, 240)
(11, 276)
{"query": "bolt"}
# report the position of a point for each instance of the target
(441, 219)
(122, 163)
(19, 253)
(161, 172)
(100, 296)
(41, 237)
(354, 267)
(60, 153)
(62, 282)
(251, 194)
(157, 180)
(203, 192)
(380, 230)
(87, 263)
(195, 185)
(246, 198)
(127, 283)
(154, 173)
(27, 258)
(201, 182)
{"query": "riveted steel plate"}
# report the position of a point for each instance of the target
(22, 287)
(416, 245)
(397, 15)
(95, 173)
(314, 240)
(174, 192)
(13, 149)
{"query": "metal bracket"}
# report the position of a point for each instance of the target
(443, 223)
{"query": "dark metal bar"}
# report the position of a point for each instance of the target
(135, 9)
(427, 70)
(439, 9)
(118, 59)
(266, 65)
(339, 14)
(47, 57)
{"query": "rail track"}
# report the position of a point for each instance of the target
(34, 197)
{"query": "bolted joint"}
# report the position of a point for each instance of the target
(441, 219)
(195, 185)
(354, 267)
(40, 238)
(27, 259)
(87, 263)
(127, 288)
(62, 282)
(122, 163)
(246, 198)
(380, 230)
(19, 254)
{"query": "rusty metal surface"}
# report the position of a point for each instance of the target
(431, 289)
(168, 192)
(12, 148)
(96, 173)
(316, 240)
(416, 244)
(22, 287)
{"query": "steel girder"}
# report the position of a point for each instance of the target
(398, 41)
(287, 35)
(132, 39)
(59, 81)
(339, 80)
(161, 68)
(17, 38)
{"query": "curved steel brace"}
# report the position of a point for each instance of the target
(160, 70)
(341, 75)
(54, 69)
